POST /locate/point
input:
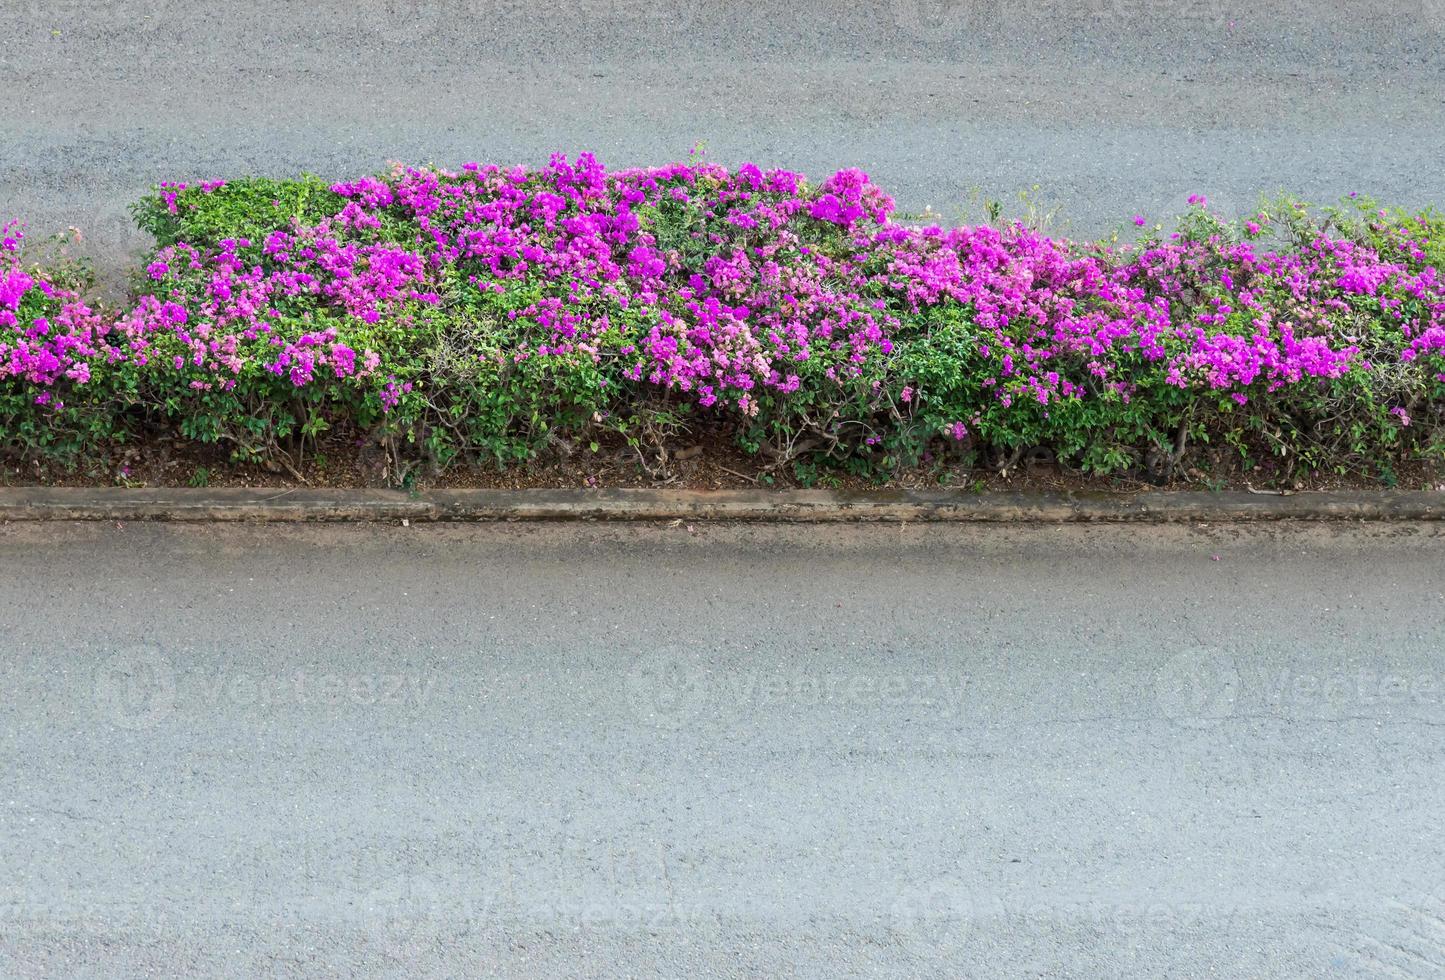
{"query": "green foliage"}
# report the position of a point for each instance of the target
(249, 208)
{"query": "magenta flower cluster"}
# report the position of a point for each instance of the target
(732, 288)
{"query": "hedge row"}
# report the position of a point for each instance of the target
(495, 314)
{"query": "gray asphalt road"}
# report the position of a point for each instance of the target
(732, 751)
(1111, 107)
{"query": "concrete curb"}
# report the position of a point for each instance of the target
(118, 504)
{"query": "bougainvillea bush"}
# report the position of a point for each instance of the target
(495, 314)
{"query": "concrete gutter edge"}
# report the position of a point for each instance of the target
(271, 504)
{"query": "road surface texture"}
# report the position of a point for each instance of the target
(581, 750)
(1111, 107)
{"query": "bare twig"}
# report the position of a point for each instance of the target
(750, 479)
